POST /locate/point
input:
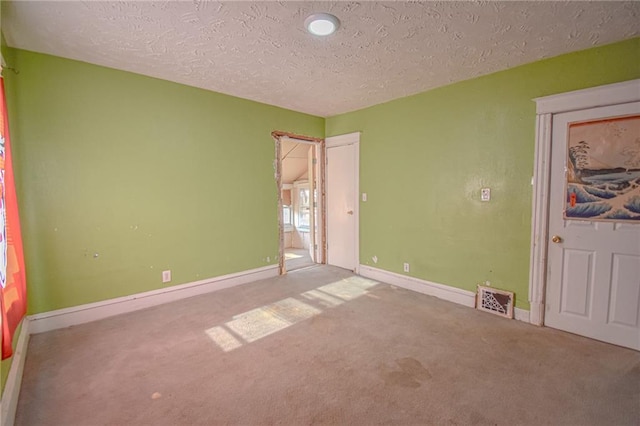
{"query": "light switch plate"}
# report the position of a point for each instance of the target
(485, 194)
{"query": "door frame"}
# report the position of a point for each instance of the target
(342, 140)
(319, 145)
(546, 108)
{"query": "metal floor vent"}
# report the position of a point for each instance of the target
(496, 301)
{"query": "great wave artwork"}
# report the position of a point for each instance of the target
(603, 170)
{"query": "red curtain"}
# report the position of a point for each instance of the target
(12, 274)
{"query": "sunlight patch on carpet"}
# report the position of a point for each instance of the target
(349, 288)
(223, 338)
(293, 310)
(256, 324)
(269, 319)
(322, 298)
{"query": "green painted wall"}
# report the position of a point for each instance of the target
(153, 175)
(424, 159)
(147, 174)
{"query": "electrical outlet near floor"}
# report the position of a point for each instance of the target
(406, 267)
(166, 276)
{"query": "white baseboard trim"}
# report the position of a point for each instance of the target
(9, 402)
(521, 314)
(75, 315)
(441, 291)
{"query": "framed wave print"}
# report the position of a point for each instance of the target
(603, 170)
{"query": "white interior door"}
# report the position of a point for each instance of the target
(593, 286)
(342, 201)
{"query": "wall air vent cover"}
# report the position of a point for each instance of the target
(496, 301)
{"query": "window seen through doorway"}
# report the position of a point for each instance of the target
(303, 210)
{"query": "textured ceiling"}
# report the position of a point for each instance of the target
(259, 50)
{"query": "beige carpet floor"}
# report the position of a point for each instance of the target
(297, 259)
(321, 346)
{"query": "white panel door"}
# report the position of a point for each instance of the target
(341, 178)
(593, 286)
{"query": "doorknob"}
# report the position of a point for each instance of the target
(556, 239)
(350, 212)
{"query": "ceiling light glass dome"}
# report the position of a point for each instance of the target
(321, 24)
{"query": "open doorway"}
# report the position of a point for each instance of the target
(299, 175)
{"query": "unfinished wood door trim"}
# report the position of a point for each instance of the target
(320, 158)
(546, 107)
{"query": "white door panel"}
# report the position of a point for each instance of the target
(593, 286)
(575, 294)
(626, 270)
(342, 169)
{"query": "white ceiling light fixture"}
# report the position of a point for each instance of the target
(321, 24)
